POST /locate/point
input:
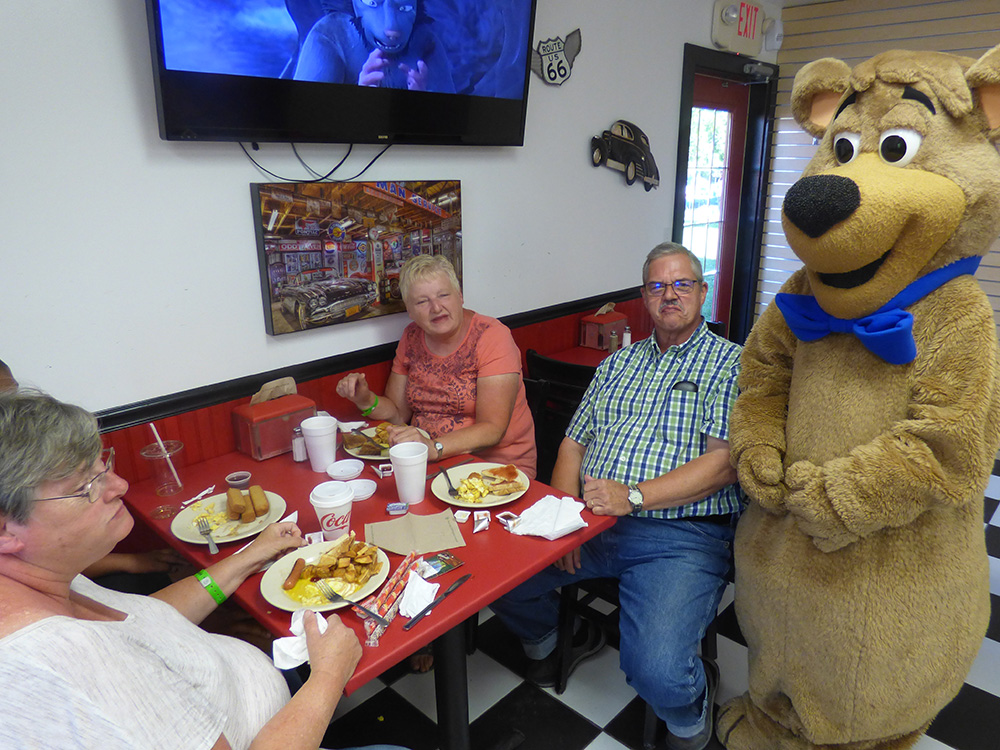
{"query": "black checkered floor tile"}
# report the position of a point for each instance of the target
(599, 711)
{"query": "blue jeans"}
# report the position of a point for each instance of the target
(671, 577)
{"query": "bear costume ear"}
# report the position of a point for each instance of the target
(984, 78)
(816, 92)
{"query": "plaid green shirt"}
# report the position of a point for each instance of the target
(636, 424)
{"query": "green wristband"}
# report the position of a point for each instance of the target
(210, 586)
(370, 409)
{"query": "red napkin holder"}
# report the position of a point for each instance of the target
(264, 430)
(595, 330)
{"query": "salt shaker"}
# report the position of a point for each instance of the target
(626, 336)
(298, 445)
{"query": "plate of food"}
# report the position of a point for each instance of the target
(229, 517)
(482, 485)
(372, 443)
(354, 569)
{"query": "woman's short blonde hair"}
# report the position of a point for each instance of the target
(422, 267)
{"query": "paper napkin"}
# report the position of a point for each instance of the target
(290, 651)
(417, 595)
(551, 517)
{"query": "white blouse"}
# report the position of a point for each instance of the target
(153, 680)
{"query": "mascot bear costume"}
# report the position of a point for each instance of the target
(869, 414)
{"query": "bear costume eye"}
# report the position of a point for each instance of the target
(899, 145)
(846, 146)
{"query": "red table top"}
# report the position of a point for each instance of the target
(497, 559)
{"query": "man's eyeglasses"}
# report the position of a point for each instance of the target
(92, 490)
(681, 286)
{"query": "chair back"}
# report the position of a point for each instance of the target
(554, 390)
(557, 371)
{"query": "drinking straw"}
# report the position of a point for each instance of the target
(163, 450)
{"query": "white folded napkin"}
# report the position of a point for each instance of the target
(348, 426)
(417, 595)
(551, 517)
(290, 651)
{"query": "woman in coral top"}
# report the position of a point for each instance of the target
(456, 375)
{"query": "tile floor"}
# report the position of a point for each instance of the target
(599, 711)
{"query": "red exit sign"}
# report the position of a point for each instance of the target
(748, 26)
(738, 26)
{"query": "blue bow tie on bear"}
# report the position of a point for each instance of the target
(888, 332)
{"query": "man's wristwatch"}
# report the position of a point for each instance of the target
(635, 497)
(439, 448)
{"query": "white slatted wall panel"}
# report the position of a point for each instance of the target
(854, 30)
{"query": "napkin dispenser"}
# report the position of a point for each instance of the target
(264, 428)
(596, 330)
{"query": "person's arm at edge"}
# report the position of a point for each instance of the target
(189, 597)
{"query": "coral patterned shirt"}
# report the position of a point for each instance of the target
(441, 391)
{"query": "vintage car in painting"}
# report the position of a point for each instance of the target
(626, 148)
(327, 301)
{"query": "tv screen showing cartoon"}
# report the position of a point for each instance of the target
(459, 48)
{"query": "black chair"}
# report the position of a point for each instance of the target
(541, 367)
(554, 390)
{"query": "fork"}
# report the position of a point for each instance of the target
(206, 532)
(326, 590)
(357, 431)
(451, 488)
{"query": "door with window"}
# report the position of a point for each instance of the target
(726, 109)
(712, 193)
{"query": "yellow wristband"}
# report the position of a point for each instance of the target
(370, 409)
(210, 586)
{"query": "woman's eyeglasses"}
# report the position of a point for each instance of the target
(92, 490)
(681, 286)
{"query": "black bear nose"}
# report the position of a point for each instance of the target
(815, 204)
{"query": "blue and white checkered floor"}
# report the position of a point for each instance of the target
(599, 711)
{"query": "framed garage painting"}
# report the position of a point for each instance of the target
(330, 253)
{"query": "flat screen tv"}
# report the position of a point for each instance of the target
(342, 71)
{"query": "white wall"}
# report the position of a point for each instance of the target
(129, 264)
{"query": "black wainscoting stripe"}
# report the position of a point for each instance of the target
(142, 412)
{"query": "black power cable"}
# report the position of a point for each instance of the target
(317, 176)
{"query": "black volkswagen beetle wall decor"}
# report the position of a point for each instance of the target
(626, 148)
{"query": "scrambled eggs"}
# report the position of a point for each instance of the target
(473, 489)
(307, 593)
(219, 522)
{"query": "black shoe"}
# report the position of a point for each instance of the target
(700, 741)
(587, 641)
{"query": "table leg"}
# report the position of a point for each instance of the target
(451, 689)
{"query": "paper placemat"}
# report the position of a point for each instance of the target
(413, 533)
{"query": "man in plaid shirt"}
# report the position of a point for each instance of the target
(649, 444)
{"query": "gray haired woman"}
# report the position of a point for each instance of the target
(83, 666)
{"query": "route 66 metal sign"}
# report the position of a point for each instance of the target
(553, 59)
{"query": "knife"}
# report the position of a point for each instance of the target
(420, 615)
(434, 472)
